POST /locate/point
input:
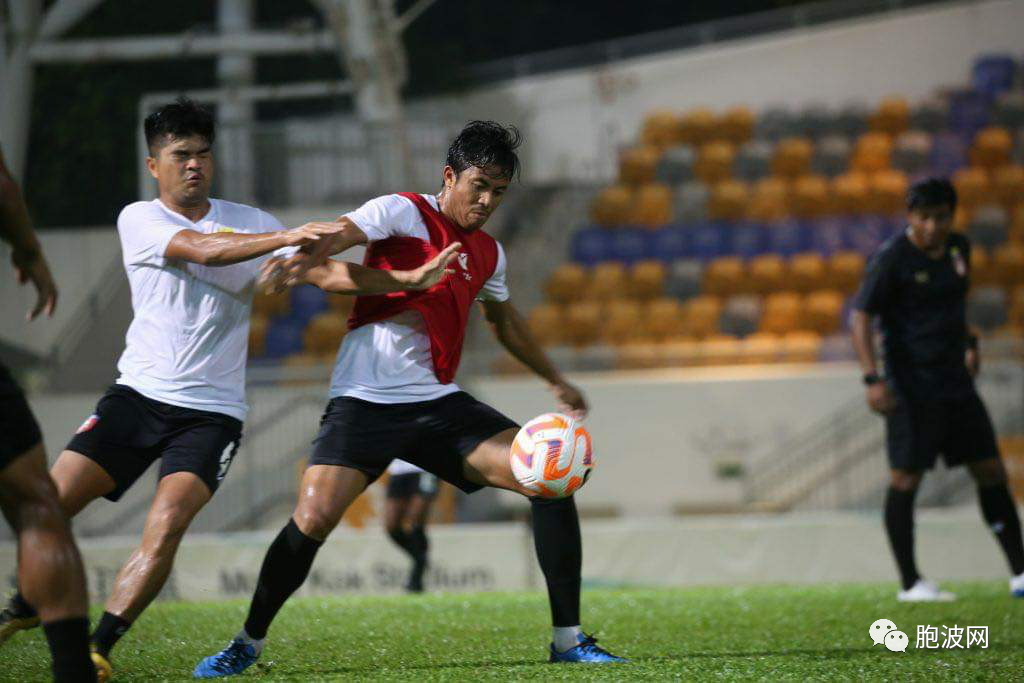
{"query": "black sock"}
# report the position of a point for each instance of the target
(108, 632)
(284, 569)
(19, 607)
(556, 537)
(899, 523)
(402, 540)
(69, 650)
(420, 545)
(1000, 514)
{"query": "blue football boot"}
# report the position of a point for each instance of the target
(586, 652)
(232, 660)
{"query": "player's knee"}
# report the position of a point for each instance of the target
(169, 525)
(40, 512)
(314, 522)
(905, 481)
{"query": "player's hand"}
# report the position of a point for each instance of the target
(973, 360)
(310, 233)
(33, 268)
(272, 276)
(570, 400)
(434, 270)
(879, 398)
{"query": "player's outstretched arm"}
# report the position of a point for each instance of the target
(27, 255)
(227, 248)
(345, 234)
(514, 334)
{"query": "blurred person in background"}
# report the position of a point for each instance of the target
(411, 491)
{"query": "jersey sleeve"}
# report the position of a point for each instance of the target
(496, 287)
(387, 216)
(877, 286)
(145, 233)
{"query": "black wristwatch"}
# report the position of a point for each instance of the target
(872, 378)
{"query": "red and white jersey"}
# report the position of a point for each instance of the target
(390, 360)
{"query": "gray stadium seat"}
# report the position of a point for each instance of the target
(691, 202)
(1018, 147)
(931, 115)
(774, 124)
(754, 160)
(851, 120)
(987, 308)
(684, 278)
(741, 315)
(675, 166)
(989, 226)
(814, 120)
(1009, 110)
(837, 347)
(911, 152)
(831, 155)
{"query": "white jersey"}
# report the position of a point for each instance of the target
(402, 467)
(389, 361)
(188, 342)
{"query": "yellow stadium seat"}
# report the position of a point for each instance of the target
(823, 311)
(845, 271)
(1017, 224)
(663, 318)
(849, 193)
(972, 187)
(809, 196)
(768, 200)
(721, 349)
(271, 304)
(725, 276)
(737, 124)
(793, 157)
(700, 316)
(1008, 264)
(729, 200)
(1016, 317)
(801, 347)
(613, 206)
(767, 273)
(637, 164)
(323, 333)
(962, 218)
(341, 304)
(680, 352)
(257, 335)
(762, 348)
(806, 272)
(697, 126)
(887, 191)
(782, 313)
(637, 355)
(647, 280)
(714, 162)
(546, 323)
(653, 205)
(583, 323)
(982, 271)
(621, 322)
(661, 129)
(608, 281)
(892, 116)
(567, 283)
(1008, 185)
(872, 153)
(992, 147)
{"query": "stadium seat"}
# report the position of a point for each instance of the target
(729, 199)
(845, 271)
(787, 237)
(989, 226)
(709, 241)
(993, 74)
(1016, 313)
(1008, 264)
(982, 271)
(851, 120)
(691, 202)
(761, 348)
(546, 323)
(566, 284)
(892, 116)
(621, 322)
(831, 156)
(257, 335)
(583, 322)
(1008, 185)
(871, 153)
(827, 234)
(271, 304)
(775, 124)
(284, 336)
(670, 243)
(324, 333)
(887, 192)
(930, 115)
(972, 187)
(992, 147)
(700, 316)
(736, 124)
(782, 313)
(749, 239)
(307, 301)
(987, 308)
(714, 161)
(767, 273)
(725, 276)
(813, 121)
(837, 348)
(630, 244)
(806, 272)
(612, 206)
(637, 355)
(753, 160)
(1018, 147)
(823, 311)
(589, 246)
(647, 280)
(1009, 110)
(849, 193)
(721, 349)
(697, 126)
(675, 166)
(1017, 224)
(679, 352)
(768, 200)
(341, 304)
(653, 205)
(663, 318)
(801, 347)
(949, 154)
(968, 112)
(637, 164)
(661, 129)
(684, 278)
(607, 281)
(809, 196)
(866, 233)
(740, 315)
(792, 157)
(911, 151)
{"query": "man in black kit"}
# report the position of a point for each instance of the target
(917, 286)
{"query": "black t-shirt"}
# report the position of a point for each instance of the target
(921, 303)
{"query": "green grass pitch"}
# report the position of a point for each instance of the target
(763, 632)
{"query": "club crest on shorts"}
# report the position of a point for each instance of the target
(89, 423)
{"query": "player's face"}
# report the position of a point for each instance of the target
(183, 169)
(473, 195)
(930, 225)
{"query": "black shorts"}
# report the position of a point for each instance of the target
(960, 429)
(434, 435)
(129, 431)
(19, 430)
(422, 484)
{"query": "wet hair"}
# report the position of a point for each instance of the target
(182, 118)
(931, 192)
(486, 144)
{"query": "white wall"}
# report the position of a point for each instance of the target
(574, 120)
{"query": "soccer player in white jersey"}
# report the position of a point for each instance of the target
(192, 263)
(392, 393)
(411, 491)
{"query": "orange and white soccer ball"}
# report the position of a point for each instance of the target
(552, 455)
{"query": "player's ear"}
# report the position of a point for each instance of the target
(151, 165)
(450, 176)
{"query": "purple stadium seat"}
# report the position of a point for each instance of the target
(866, 233)
(284, 337)
(670, 243)
(709, 241)
(307, 301)
(993, 74)
(787, 237)
(968, 112)
(949, 153)
(591, 245)
(630, 245)
(828, 235)
(749, 239)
